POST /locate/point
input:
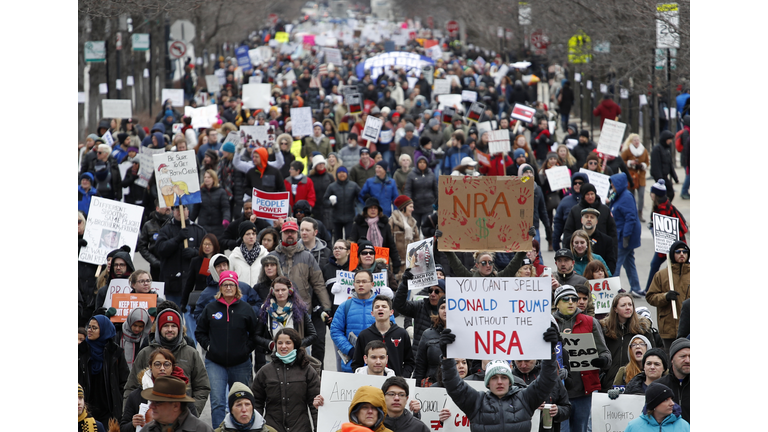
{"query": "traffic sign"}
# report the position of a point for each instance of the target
(177, 50)
(95, 51)
(140, 41)
(272, 18)
(452, 27)
(540, 42)
(579, 48)
(183, 30)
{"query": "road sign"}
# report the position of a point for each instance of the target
(177, 50)
(540, 42)
(452, 27)
(667, 20)
(140, 41)
(272, 18)
(524, 13)
(95, 51)
(183, 30)
(579, 48)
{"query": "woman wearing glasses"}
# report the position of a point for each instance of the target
(618, 328)
(636, 351)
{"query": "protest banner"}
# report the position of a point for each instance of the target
(176, 127)
(611, 137)
(666, 231)
(485, 213)
(121, 286)
(581, 349)
(175, 95)
(603, 292)
(254, 136)
(301, 119)
(333, 56)
(615, 415)
(354, 103)
(125, 303)
(338, 389)
(482, 158)
(523, 113)
(448, 114)
(381, 253)
(212, 84)
(178, 181)
(111, 224)
(499, 317)
(469, 95)
(116, 108)
(601, 182)
(256, 96)
(475, 112)
(499, 142)
(146, 164)
(442, 86)
(271, 205)
(422, 264)
(558, 178)
(372, 128)
(344, 286)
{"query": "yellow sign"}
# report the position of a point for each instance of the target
(579, 48)
(666, 7)
(281, 37)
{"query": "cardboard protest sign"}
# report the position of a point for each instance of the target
(490, 213)
(558, 178)
(666, 231)
(372, 128)
(175, 95)
(611, 137)
(212, 84)
(271, 205)
(475, 111)
(111, 224)
(256, 95)
(601, 182)
(345, 286)
(581, 349)
(381, 253)
(469, 95)
(254, 136)
(448, 114)
(177, 178)
(422, 264)
(499, 142)
(301, 119)
(522, 112)
(116, 108)
(499, 317)
(338, 389)
(354, 103)
(615, 415)
(125, 303)
(603, 292)
(442, 86)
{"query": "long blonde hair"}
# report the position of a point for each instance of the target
(628, 141)
(569, 160)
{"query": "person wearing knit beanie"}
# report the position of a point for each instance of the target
(656, 394)
(242, 413)
(677, 345)
(498, 367)
(659, 189)
(402, 201)
(658, 352)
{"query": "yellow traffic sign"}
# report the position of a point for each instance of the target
(579, 48)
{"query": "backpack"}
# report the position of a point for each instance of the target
(679, 140)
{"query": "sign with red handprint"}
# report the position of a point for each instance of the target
(485, 213)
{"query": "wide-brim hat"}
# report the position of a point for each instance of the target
(167, 389)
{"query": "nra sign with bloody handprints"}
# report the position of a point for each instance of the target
(491, 213)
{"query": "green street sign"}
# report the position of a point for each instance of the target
(140, 41)
(95, 51)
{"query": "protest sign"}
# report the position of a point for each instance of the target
(338, 389)
(281, 37)
(450, 100)
(601, 182)
(454, 78)
(290, 76)
(176, 127)
(611, 137)
(175, 95)
(124, 167)
(558, 178)
(212, 84)
(448, 114)
(178, 181)
(499, 317)
(522, 112)
(381, 253)
(256, 95)
(354, 104)
(254, 136)
(333, 55)
(666, 231)
(271, 205)
(615, 415)
(146, 165)
(581, 349)
(499, 142)
(202, 117)
(468, 95)
(116, 108)
(125, 303)
(344, 286)
(111, 224)
(442, 86)
(482, 158)
(485, 213)
(603, 292)
(372, 128)
(121, 286)
(301, 119)
(422, 264)
(476, 111)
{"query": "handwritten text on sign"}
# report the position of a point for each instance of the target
(611, 136)
(581, 350)
(500, 317)
(345, 286)
(485, 213)
(270, 205)
(615, 415)
(111, 224)
(603, 292)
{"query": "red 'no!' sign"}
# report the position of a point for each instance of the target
(177, 49)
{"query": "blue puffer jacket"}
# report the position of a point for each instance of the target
(624, 212)
(383, 190)
(355, 319)
(647, 423)
(564, 208)
(453, 157)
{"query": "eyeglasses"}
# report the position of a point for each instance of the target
(144, 281)
(681, 251)
(393, 394)
(339, 248)
(228, 285)
(91, 328)
(569, 299)
(118, 264)
(158, 365)
(638, 345)
(435, 290)
(486, 263)
(367, 253)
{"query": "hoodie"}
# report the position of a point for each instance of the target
(84, 196)
(624, 210)
(564, 208)
(375, 397)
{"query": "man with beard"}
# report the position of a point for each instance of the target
(601, 243)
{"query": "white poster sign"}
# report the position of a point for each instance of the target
(499, 142)
(175, 95)
(422, 264)
(256, 95)
(111, 224)
(121, 286)
(601, 181)
(254, 136)
(666, 231)
(333, 55)
(212, 84)
(611, 137)
(667, 21)
(301, 119)
(615, 415)
(202, 117)
(603, 292)
(177, 178)
(442, 86)
(483, 127)
(581, 350)
(146, 164)
(116, 108)
(468, 95)
(372, 128)
(558, 178)
(345, 286)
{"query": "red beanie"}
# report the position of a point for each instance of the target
(402, 202)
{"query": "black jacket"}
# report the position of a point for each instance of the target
(420, 311)
(400, 355)
(228, 333)
(147, 245)
(558, 396)
(428, 355)
(605, 247)
(605, 222)
(682, 391)
(360, 230)
(346, 193)
(212, 210)
(114, 374)
(581, 151)
(174, 257)
(661, 160)
(421, 187)
(271, 181)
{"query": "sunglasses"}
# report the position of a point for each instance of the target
(486, 263)
(435, 290)
(569, 299)
(681, 251)
(367, 253)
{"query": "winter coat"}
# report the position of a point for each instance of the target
(605, 222)
(421, 187)
(656, 296)
(321, 182)
(661, 161)
(308, 146)
(398, 231)
(133, 401)
(401, 177)
(227, 332)
(624, 211)
(303, 270)
(581, 151)
(419, 310)
(405, 423)
(212, 210)
(640, 171)
(351, 319)
(607, 109)
(114, 374)
(459, 270)
(349, 156)
(581, 384)
(540, 209)
(399, 353)
(564, 209)
(360, 231)
(648, 423)
(190, 424)
(453, 157)
(239, 180)
(228, 426)
(619, 348)
(270, 181)
(682, 391)
(84, 197)
(247, 273)
(489, 413)
(360, 175)
(373, 396)
(305, 190)
(111, 189)
(384, 190)
(208, 295)
(265, 330)
(604, 247)
(346, 193)
(435, 136)
(170, 250)
(428, 355)
(558, 396)
(283, 392)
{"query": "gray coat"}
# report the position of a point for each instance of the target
(421, 187)
(346, 195)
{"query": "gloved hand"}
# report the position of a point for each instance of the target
(625, 242)
(189, 253)
(182, 234)
(532, 232)
(351, 353)
(82, 242)
(152, 311)
(326, 317)
(407, 275)
(183, 308)
(111, 312)
(599, 362)
(396, 269)
(446, 338)
(438, 233)
(225, 223)
(613, 394)
(552, 337)
(671, 295)
(409, 330)
(332, 199)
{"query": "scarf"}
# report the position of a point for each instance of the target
(107, 332)
(288, 358)
(87, 424)
(243, 426)
(130, 339)
(250, 256)
(280, 315)
(406, 227)
(374, 235)
(636, 151)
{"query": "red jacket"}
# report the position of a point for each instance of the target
(608, 109)
(590, 378)
(667, 209)
(497, 168)
(305, 190)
